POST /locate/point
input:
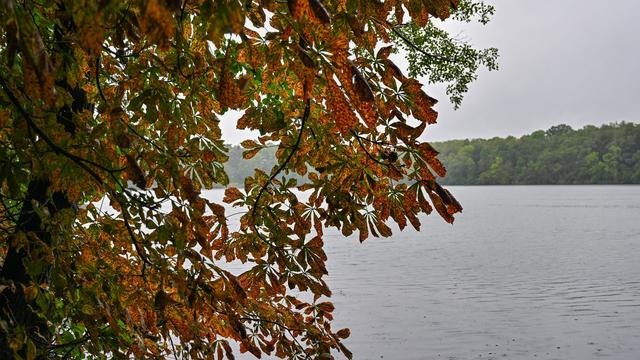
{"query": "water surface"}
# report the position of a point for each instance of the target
(526, 272)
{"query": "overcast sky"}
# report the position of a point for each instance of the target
(561, 61)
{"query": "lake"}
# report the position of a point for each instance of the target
(526, 272)
(549, 272)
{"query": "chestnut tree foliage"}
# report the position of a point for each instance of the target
(109, 131)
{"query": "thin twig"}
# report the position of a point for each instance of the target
(98, 80)
(79, 341)
(289, 330)
(269, 322)
(144, 138)
(367, 151)
(419, 49)
(139, 250)
(369, 140)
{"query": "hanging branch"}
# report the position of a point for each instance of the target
(408, 41)
(305, 116)
(78, 161)
(288, 329)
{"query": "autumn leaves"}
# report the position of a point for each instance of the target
(308, 75)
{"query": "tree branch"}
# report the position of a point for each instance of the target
(417, 48)
(289, 330)
(76, 159)
(81, 163)
(269, 322)
(359, 139)
(79, 341)
(139, 250)
(98, 80)
(305, 116)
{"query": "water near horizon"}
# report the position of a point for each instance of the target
(526, 272)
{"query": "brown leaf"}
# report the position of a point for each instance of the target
(344, 333)
(248, 154)
(340, 109)
(383, 229)
(394, 69)
(135, 172)
(326, 306)
(407, 133)
(426, 150)
(437, 166)
(248, 345)
(232, 194)
(424, 204)
(217, 210)
(440, 207)
(453, 206)
(190, 191)
(362, 86)
(345, 351)
(227, 350)
(384, 52)
(249, 144)
(422, 103)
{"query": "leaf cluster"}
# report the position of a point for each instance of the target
(445, 58)
(110, 137)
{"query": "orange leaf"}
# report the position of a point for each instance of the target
(248, 154)
(344, 333)
(232, 194)
(362, 86)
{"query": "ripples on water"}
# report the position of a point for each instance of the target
(526, 272)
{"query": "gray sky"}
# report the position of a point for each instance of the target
(561, 61)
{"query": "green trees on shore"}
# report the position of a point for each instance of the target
(609, 154)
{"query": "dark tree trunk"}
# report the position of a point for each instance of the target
(15, 310)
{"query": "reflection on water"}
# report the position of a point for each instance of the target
(526, 272)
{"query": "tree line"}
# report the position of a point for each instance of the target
(609, 154)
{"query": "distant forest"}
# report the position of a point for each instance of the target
(609, 154)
